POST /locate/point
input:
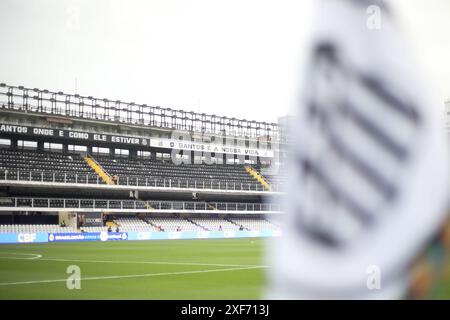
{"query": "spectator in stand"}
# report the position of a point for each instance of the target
(109, 229)
(117, 229)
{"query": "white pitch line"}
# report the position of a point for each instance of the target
(149, 262)
(33, 256)
(131, 276)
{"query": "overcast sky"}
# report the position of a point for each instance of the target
(239, 58)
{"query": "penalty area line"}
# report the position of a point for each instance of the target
(145, 275)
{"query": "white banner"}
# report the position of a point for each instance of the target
(209, 147)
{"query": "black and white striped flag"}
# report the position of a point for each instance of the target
(369, 165)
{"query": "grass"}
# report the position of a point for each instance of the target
(169, 269)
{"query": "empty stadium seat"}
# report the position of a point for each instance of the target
(171, 223)
(158, 173)
(72, 168)
(255, 224)
(45, 166)
(215, 224)
(34, 228)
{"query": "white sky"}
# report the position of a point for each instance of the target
(240, 58)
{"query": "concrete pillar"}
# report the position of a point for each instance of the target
(133, 154)
(14, 144)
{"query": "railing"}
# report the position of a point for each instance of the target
(61, 104)
(109, 204)
(132, 181)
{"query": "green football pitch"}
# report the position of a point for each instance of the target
(168, 269)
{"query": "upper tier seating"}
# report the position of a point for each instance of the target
(151, 169)
(59, 167)
(65, 166)
(275, 178)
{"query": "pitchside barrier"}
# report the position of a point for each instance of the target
(42, 237)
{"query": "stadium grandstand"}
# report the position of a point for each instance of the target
(71, 164)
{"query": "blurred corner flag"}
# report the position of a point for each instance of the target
(368, 167)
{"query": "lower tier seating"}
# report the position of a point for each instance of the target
(255, 224)
(215, 224)
(173, 224)
(153, 224)
(34, 228)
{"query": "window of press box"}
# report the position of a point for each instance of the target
(181, 156)
(76, 149)
(26, 145)
(100, 150)
(232, 161)
(206, 160)
(5, 143)
(53, 146)
(144, 154)
(163, 155)
(121, 152)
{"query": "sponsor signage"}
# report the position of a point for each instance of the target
(87, 236)
(144, 235)
(26, 237)
(23, 237)
(202, 234)
(93, 219)
(41, 237)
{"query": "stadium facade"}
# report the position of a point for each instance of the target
(76, 168)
